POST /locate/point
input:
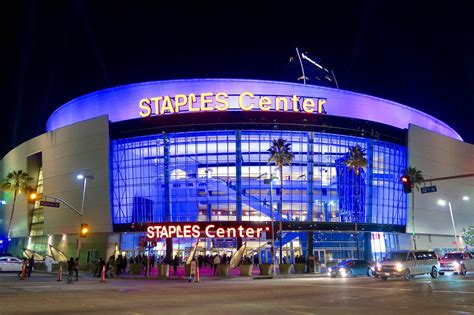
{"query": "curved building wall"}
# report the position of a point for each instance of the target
(121, 103)
(438, 156)
(224, 176)
(61, 155)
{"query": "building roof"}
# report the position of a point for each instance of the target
(122, 102)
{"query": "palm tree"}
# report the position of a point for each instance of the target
(17, 182)
(280, 155)
(416, 178)
(355, 160)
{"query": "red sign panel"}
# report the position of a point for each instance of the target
(207, 229)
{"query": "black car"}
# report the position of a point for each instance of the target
(351, 268)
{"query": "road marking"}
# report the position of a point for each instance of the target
(447, 291)
(352, 287)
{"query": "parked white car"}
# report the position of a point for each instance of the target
(10, 264)
(408, 263)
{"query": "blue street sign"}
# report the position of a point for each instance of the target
(428, 189)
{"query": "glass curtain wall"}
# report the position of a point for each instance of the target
(225, 176)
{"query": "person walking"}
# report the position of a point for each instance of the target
(175, 264)
(70, 269)
(76, 268)
(24, 269)
(216, 262)
(200, 261)
(193, 270)
(31, 264)
(110, 266)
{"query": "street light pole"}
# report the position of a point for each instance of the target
(273, 225)
(84, 185)
(454, 226)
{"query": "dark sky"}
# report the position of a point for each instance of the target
(419, 53)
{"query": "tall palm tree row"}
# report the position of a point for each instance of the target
(280, 155)
(16, 182)
(416, 178)
(355, 160)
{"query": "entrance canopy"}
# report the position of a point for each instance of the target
(57, 254)
(28, 253)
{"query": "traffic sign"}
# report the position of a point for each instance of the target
(54, 204)
(428, 189)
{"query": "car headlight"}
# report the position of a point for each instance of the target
(379, 267)
(399, 267)
(455, 264)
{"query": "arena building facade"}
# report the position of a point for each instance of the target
(167, 159)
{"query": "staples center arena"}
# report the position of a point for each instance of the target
(168, 163)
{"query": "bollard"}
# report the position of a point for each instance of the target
(60, 273)
(102, 276)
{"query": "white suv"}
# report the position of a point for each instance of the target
(408, 263)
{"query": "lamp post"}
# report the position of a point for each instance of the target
(270, 181)
(84, 178)
(443, 203)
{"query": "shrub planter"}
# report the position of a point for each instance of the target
(299, 268)
(165, 270)
(56, 266)
(86, 267)
(40, 266)
(135, 269)
(284, 269)
(223, 270)
(246, 270)
(265, 269)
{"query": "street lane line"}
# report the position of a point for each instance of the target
(447, 291)
(351, 287)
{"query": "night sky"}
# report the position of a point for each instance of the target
(420, 55)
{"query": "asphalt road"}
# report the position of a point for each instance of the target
(43, 294)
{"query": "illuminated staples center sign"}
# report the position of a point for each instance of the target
(222, 101)
(208, 230)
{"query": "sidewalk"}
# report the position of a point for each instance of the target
(206, 275)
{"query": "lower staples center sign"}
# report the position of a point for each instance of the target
(207, 229)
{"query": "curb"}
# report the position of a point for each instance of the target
(256, 277)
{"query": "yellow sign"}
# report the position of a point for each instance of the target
(221, 101)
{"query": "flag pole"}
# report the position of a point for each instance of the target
(301, 63)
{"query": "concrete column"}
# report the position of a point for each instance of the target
(168, 210)
(370, 177)
(238, 171)
(309, 192)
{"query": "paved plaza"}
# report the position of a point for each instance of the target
(238, 295)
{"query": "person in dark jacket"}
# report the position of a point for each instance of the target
(175, 264)
(70, 269)
(100, 265)
(31, 263)
(76, 268)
